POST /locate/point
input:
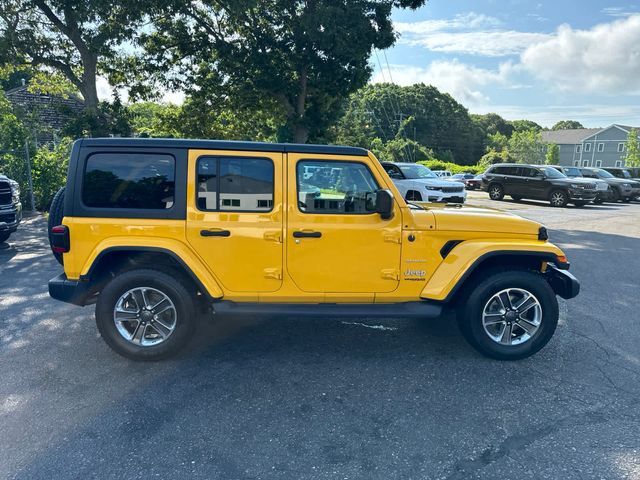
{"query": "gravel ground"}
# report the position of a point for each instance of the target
(330, 399)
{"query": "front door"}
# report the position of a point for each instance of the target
(336, 243)
(235, 215)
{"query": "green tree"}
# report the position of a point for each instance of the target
(567, 125)
(306, 56)
(527, 147)
(632, 149)
(552, 157)
(77, 39)
(497, 142)
(524, 125)
(418, 112)
(492, 123)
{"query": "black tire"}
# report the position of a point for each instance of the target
(56, 214)
(470, 315)
(598, 201)
(496, 191)
(626, 200)
(516, 198)
(4, 236)
(169, 284)
(558, 198)
(414, 196)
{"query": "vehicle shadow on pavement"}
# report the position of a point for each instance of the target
(348, 398)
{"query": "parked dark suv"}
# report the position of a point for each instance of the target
(631, 174)
(10, 207)
(537, 182)
(604, 191)
(621, 188)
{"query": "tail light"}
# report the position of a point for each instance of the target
(60, 239)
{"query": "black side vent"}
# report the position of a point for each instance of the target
(543, 234)
(447, 247)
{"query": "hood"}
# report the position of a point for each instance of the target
(618, 181)
(475, 219)
(436, 182)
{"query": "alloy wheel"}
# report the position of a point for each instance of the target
(512, 316)
(145, 316)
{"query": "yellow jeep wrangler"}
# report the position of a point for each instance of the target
(154, 231)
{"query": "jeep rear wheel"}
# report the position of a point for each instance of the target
(516, 198)
(510, 315)
(496, 192)
(559, 198)
(145, 314)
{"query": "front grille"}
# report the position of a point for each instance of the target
(8, 218)
(452, 189)
(5, 193)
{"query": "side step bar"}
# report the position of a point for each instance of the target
(379, 310)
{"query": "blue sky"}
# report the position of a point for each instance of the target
(541, 60)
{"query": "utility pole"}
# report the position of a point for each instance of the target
(31, 199)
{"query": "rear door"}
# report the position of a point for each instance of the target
(235, 217)
(336, 243)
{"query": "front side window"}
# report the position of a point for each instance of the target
(239, 184)
(129, 180)
(335, 187)
(551, 172)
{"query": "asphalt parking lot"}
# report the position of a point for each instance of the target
(330, 399)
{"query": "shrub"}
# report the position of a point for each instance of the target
(49, 172)
(452, 167)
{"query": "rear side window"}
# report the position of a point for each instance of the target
(240, 184)
(129, 180)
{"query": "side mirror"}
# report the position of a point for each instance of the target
(384, 204)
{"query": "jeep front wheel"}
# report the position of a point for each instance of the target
(509, 315)
(145, 314)
(496, 192)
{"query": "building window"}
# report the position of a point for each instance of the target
(585, 163)
(621, 147)
(598, 163)
(239, 184)
(578, 148)
(576, 163)
(587, 147)
(129, 180)
(618, 163)
(601, 147)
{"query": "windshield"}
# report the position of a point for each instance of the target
(603, 173)
(551, 172)
(574, 172)
(417, 171)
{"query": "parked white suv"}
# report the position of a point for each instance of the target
(417, 183)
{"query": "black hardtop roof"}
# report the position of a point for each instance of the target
(221, 145)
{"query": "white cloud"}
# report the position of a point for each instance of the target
(620, 11)
(462, 21)
(496, 43)
(603, 60)
(461, 81)
(470, 33)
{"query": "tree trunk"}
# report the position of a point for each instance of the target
(89, 77)
(301, 131)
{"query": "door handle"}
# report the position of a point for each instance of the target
(215, 233)
(300, 234)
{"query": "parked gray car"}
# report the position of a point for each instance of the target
(621, 189)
